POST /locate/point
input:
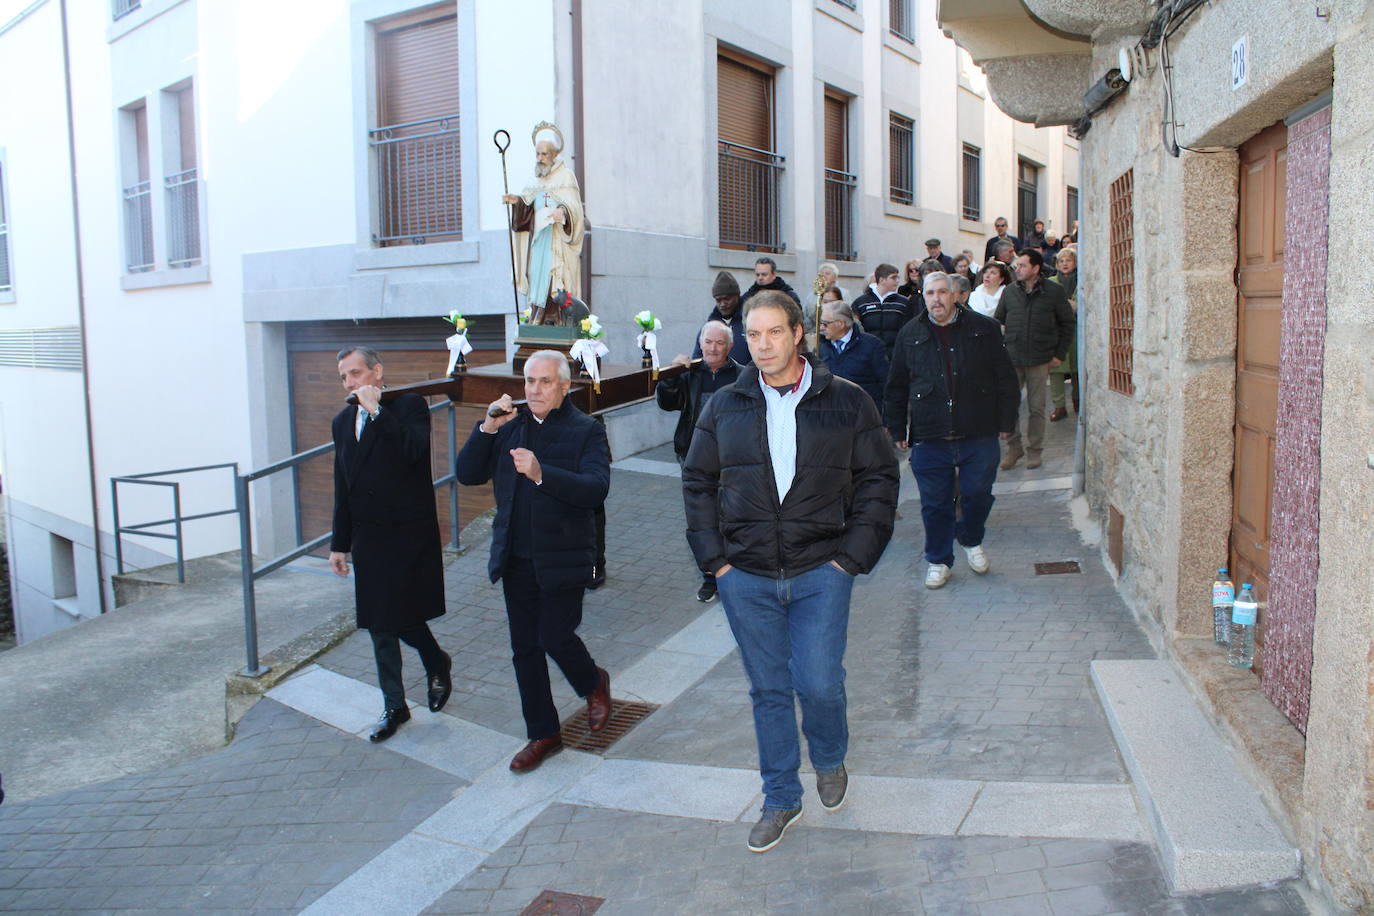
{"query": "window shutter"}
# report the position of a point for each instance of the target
(835, 145)
(744, 102)
(418, 66)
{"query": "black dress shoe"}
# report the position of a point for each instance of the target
(388, 723)
(531, 755)
(441, 685)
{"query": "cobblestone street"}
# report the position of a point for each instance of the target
(986, 778)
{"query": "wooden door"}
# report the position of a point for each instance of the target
(317, 396)
(1259, 278)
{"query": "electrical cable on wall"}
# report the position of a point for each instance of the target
(1170, 20)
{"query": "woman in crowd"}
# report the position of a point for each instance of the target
(991, 282)
(911, 281)
(963, 266)
(1067, 264)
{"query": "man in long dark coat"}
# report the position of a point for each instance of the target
(550, 468)
(384, 514)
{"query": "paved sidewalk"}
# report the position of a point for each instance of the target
(985, 779)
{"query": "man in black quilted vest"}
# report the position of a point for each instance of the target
(550, 467)
(790, 485)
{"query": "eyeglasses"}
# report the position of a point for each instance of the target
(826, 322)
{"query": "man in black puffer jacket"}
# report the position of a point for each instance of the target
(881, 309)
(790, 486)
(551, 470)
(951, 392)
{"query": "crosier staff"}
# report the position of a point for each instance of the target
(510, 233)
(818, 286)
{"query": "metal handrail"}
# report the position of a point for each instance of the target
(177, 520)
(839, 214)
(243, 506)
(750, 197)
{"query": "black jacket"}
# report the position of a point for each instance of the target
(1040, 324)
(384, 514)
(883, 319)
(919, 405)
(687, 391)
(842, 500)
(739, 344)
(993, 242)
(863, 362)
(778, 284)
(576, 466)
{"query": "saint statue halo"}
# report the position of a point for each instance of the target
(546, 127)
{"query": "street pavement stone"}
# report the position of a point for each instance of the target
(649, 863)
(649, 596)
(986, 678)
(289, 809)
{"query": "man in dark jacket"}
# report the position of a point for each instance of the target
(951, 392)
(933, 253)
(766, 278)
(849, 352)
(727, 311)
(790, 489)
(1039, 326)
(384, 515)
(551, 469)
(881, 309)
(689, 392)
(990, 249)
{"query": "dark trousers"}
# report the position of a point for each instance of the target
(386, 648)
(600, 513)
(940, 467)
(544, 622)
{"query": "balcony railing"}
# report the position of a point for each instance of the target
(183, 219)
(138, 227)
(839, 215)
(122, 8)
(902, 20)
(750, 181)
(419, 184)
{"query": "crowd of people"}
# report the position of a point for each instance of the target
(788, 452)
(944, 348)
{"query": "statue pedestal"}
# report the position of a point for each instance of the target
(534, 337)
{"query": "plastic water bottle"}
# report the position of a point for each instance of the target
(1243, 613)
(1223, 596)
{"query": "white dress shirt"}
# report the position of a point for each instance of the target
(782, 428)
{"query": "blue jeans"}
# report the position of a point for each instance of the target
(791, 635)
(935, 465)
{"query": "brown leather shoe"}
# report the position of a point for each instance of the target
(1010, 459)
(533, 754)
(599, 703)
(1033, 461)
(1058, 414)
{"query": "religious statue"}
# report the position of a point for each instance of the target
(547, 222)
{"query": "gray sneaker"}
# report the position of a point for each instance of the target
(831, 786)
(771, 826)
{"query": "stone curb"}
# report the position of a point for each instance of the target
(242, 691)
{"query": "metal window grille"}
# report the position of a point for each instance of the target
(6, 284)
(851, 4)
(1071, 205)
(901, 159)
(839, 214)
(122, 8)
(902, 21)
(973, 189)
(1121, 322)
(750, 182)
(138, 227)
(418, 180)
(41, 348)
(183, 219)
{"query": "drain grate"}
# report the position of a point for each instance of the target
(561, 903)
(1057, 568)
(625, 715)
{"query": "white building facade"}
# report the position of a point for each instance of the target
(200, 202)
